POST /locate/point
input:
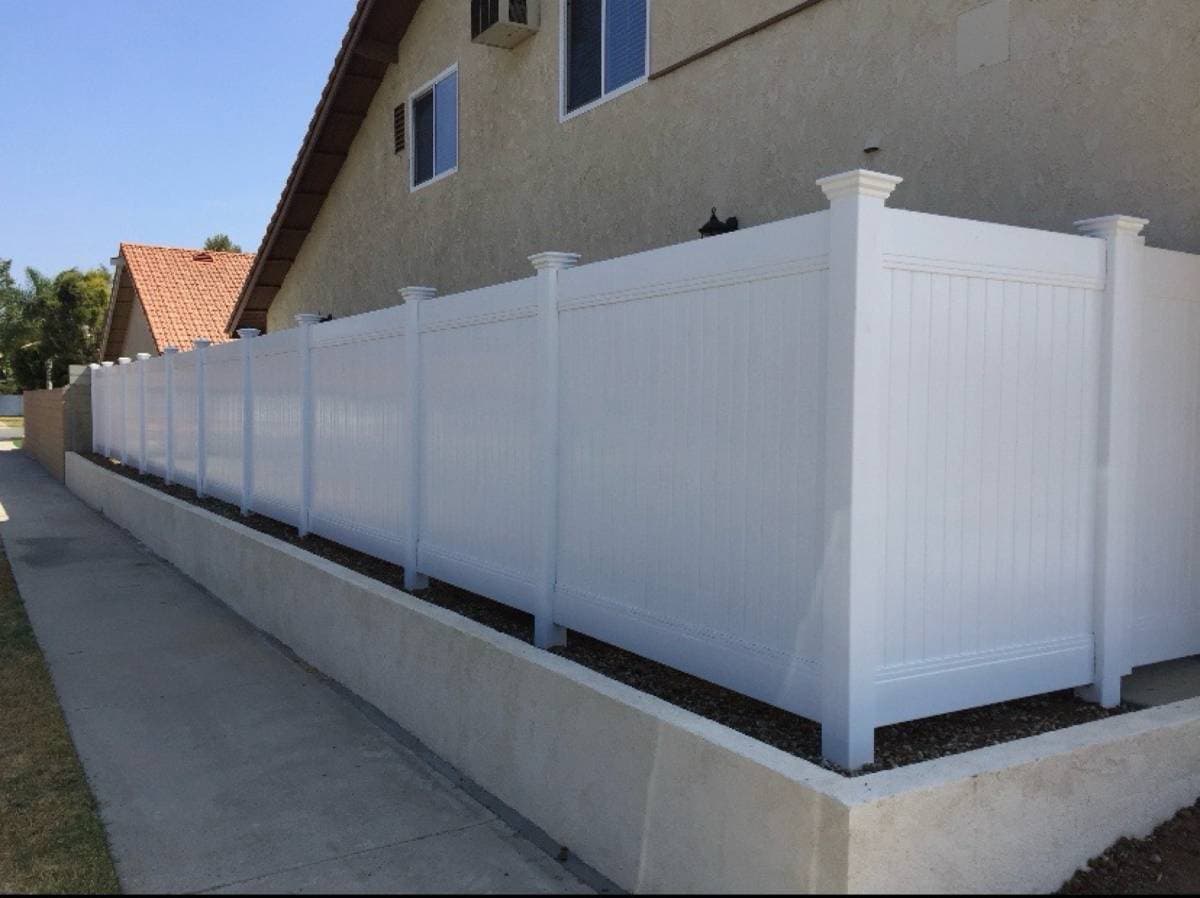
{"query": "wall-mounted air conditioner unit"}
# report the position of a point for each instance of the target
(503, 23)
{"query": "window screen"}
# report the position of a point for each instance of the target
(605, 48)
(435, 130)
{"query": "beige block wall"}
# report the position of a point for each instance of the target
(1093, 111)
(58, 421)
(44, 428)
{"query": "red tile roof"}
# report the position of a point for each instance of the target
(186, 293)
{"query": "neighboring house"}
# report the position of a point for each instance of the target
(164, 296)
(618, 124)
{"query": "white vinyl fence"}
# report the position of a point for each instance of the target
(866, 465)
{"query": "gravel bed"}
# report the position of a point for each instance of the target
(895, 746)
(1166, 862)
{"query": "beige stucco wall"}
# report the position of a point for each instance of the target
(138, 337)
(1094, 111)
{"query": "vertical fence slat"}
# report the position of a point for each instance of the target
(306, 320)
(198, 348)
(97, 414)
(124, 362)
(106, 401)
(169, 354)
(142, 357)
(246, 334)
(413, 298)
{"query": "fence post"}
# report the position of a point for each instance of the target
(169, 353)
(108, 408)
(1118, 450)
(546, 630)
(94, 367)
(124, 361)
(855, 465)
(306, 320)
(413, 298)
(141, 371)
(245, 335)
(199, 347)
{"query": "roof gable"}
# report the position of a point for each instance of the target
(186, 294)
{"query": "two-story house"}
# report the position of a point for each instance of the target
(606, 127)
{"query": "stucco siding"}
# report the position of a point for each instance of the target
(137, 336)
(1091, 113)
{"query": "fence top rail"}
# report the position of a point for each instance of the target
(1172, 276)
(766, 250)
(364, 324)
(512, 299)
(959, 246)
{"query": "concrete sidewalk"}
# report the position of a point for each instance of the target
(218, 761)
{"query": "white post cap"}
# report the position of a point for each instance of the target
(304, 318)
(553, 261)
(106, 364)
(143, 356)
(417, 293)
(94, 365)
(859, 182)
(1112, 226)
(245, 333)
(124, 360)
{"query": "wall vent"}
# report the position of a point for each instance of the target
(398, 128)
(503, 23)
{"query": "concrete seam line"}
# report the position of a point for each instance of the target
(339, 857)
(542, 840)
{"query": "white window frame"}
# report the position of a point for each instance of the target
(412, 129)
(563, 114)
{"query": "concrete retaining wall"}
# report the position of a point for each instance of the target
(658, 798)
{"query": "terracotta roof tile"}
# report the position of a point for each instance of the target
(186, 293)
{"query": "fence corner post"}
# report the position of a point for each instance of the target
(198, 347)
(169, 353)
(413, 298)
(547, 632)
(141, 370)
(305, 322)
(855, 465)
(123, 362)
(1116, 487)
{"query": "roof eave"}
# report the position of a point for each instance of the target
(369, 46)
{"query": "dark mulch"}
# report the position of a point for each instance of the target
(1166, 862)
(895, 746)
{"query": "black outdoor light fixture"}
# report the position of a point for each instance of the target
(715, 226)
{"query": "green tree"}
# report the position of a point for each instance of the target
(221, 243)
(55, 320)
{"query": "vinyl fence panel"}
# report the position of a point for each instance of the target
(359, 426)
(867, 465)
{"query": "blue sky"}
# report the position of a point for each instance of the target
(152, 121)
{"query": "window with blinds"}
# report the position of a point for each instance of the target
(604, 49)
(434, 117)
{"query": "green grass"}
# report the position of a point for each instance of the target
(7, 421)
(51, 839)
